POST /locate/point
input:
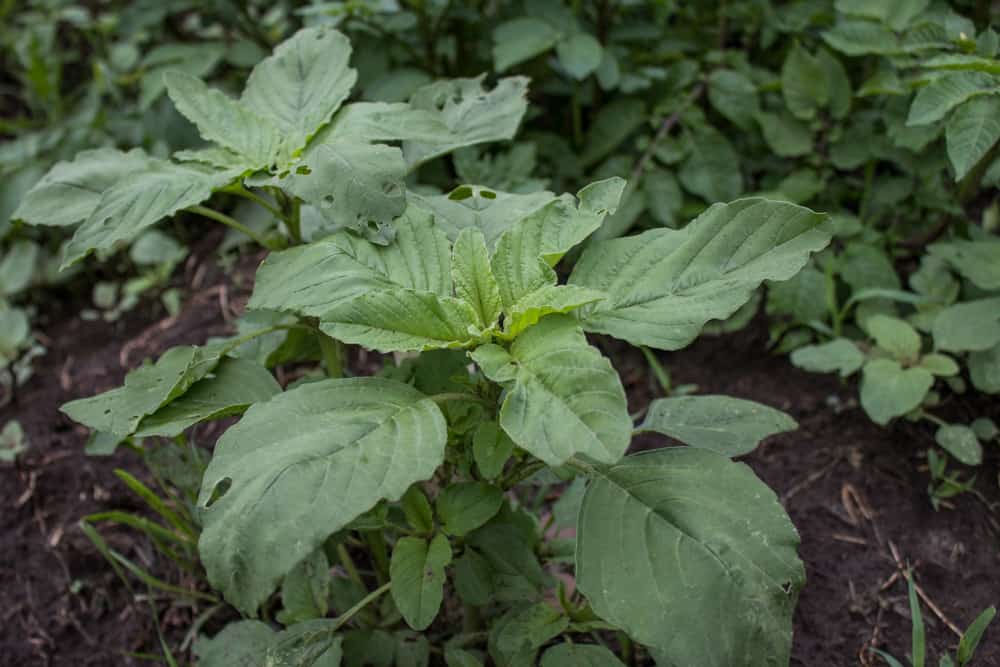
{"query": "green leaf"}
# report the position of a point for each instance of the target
(936, 100)
(465, 506)
(313, 279)
(725, 425)
(940, 364)
(888, 390)
(840, 354)
(239, 644)
(971, 132)
(70, 191)
(473, 579)
(970, 326)
(858, 38)
(306, 590)
(611, 126)
(417, 509)
(300, 86)
(521, 39)
(140, 200)
(803, 297)
(970, 639)
(554, 377)
(734, 95)
(895, 336)
(473, 278)
(508, 544)
(146, 389)
(961, 442)
(668, 538)
(978, 261)
(472, 114)
(235, 385)
(580, 54)
(17, 268)
(663, 286)
(491, 448)
(803, 83)
(456, 657)
(474, 207)
(12, 441)
(402, 319)
(302, 466)
(579, 655)
(712, 170)
(224, 121)
(838, 84)
(546, 300)
(516, 637)
(984, 369)
(785, 135)
(417, 575)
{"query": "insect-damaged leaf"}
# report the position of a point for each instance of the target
(672, 537)
(302, 466)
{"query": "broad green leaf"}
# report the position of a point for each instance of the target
(897, 14)
(612, 125)
(491, 448)
(664, 197)
(803, 83)
(553, 376)
(521, 39)
(803, 297)
(712, 170)
(239, 644)
(309, 642)
(300, 86)
(971, 132)
(472, 114)
(546, 300)
(146, 389)
(984, 369)
(17, 268)
(580, 54)
(402, 319)
(234, 385)
(313, 279)
(417, 509)
(579, 655)
(224, 121)
(380, 121)
(663, 286)
(302, 466)
(961, 442)
(970, 326)
(936, 100)
(734, 95)
(725, 425)
(669, 538)
(888, 390)
(71, 190)
(140, 200)
(979, 260)
(838, 84)
(465, 506)
(864, 267)
(473, 278)
(474, 207)
(858, 38)
(895, 336)
(417, 575)
(15, 332)
(940, 364)
(473, 578)
(456, 657)
(785, 135)
(305, 592)
(508, 544)
(524, 254)
(516, 637)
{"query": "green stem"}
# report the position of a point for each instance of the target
(353, 611)
(234, 224)
(241, 191)
(349, 566)
(662, 376)
(333, 355)
(376, 543)
(294, 221)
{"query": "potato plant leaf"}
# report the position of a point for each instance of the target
(278, 486)
(658, 526)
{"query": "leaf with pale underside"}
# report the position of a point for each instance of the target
(303, 465)
(563, 397)
(663, 286)
(726, 425)
(669, 538)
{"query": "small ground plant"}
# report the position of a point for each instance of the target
(430, 477)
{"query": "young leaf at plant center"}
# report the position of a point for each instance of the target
(579, 655)
(662, 286)
(895, 336)
(491, 448)
(417, 575)
(660, 517)
(272, 493)
(465, 506)
(722, 424)
(888, 390)
(544, 372)
(473, 278)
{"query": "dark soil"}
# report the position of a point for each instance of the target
(855, 491)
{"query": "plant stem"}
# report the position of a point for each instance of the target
(241, 191)
(353, 611)
(376, 542)
(234, 224)
(333, 355)
(348, 563)
(293, 221)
